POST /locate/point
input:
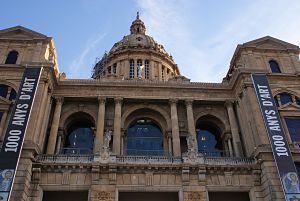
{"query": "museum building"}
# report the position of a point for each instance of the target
(139, 130)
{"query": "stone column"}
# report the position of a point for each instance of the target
(230, 147)
(2, 124)
(41, 113)
(169, 137)
(234, 129)
(59, 140)
(159, 72)
(54, 126)
(117, 126)
(100, 125)
(175, 128)
(151, 70)
(190, 117)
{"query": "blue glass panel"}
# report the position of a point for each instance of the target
(207, 143)
(274, 67)
(12, 57)
(80, 141)
(293, 125)
(298, 101)
(144, 139)
(3, 90)
(285, 98)
(12, 95)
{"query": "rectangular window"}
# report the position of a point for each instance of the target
(163, 73)
(109, 70)
(115, 68)
(146, 69)
(131, 69)
(293, 124)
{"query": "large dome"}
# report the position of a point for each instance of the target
(134, 53)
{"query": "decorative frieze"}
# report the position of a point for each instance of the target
(104, 196)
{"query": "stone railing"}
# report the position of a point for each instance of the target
(65, 159)
(157, 160)
(148, 160)
(228, 161)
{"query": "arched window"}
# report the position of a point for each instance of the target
(144, 137)
(131, 69)
(274, 66)
(285, 98)
(7, 92)
(146, 69)
(80, 135)
(12, 57)
(293, 124)
(208, 138)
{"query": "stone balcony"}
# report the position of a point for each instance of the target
(142, 160)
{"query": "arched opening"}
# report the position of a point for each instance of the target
(209, 137)
(145, 137)
(274, 66)
(12, 57)
(7, 92)
(79, 138)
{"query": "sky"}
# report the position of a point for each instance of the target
(201, 35)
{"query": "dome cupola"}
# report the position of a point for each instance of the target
(137, 26)
(136, 56)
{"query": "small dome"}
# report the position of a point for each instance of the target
(137, 42)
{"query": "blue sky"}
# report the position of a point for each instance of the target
(201, 35)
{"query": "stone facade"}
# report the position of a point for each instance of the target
(115, 99)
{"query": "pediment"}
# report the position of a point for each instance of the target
(269, 42)
(20, 33)
(290, 107)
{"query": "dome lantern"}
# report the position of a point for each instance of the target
(137, 26)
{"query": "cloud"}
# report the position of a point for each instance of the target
(202, 53)
(78, 67)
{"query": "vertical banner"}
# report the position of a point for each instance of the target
(280, 147)
(14, 136)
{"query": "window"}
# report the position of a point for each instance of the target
(144, 137)
(80, 141)
(3, 90)
(285, 98)
(146, 69)
(7, 92)
(208, 138)
(12, 57)
(293, 124)
(109, 70)
(79, 137)
(163, 73)
(115, 68)
(274, 66)
(131, 69)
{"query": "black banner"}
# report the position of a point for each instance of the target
(16, 129)
(281, 152)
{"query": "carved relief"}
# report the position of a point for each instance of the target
(105, 196)
(193, 196)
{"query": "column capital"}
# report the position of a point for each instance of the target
(228, 103)
(173, 100)
(189, 102)
(101, 100)
(227, 136)
(59, 99)
(118, 100)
